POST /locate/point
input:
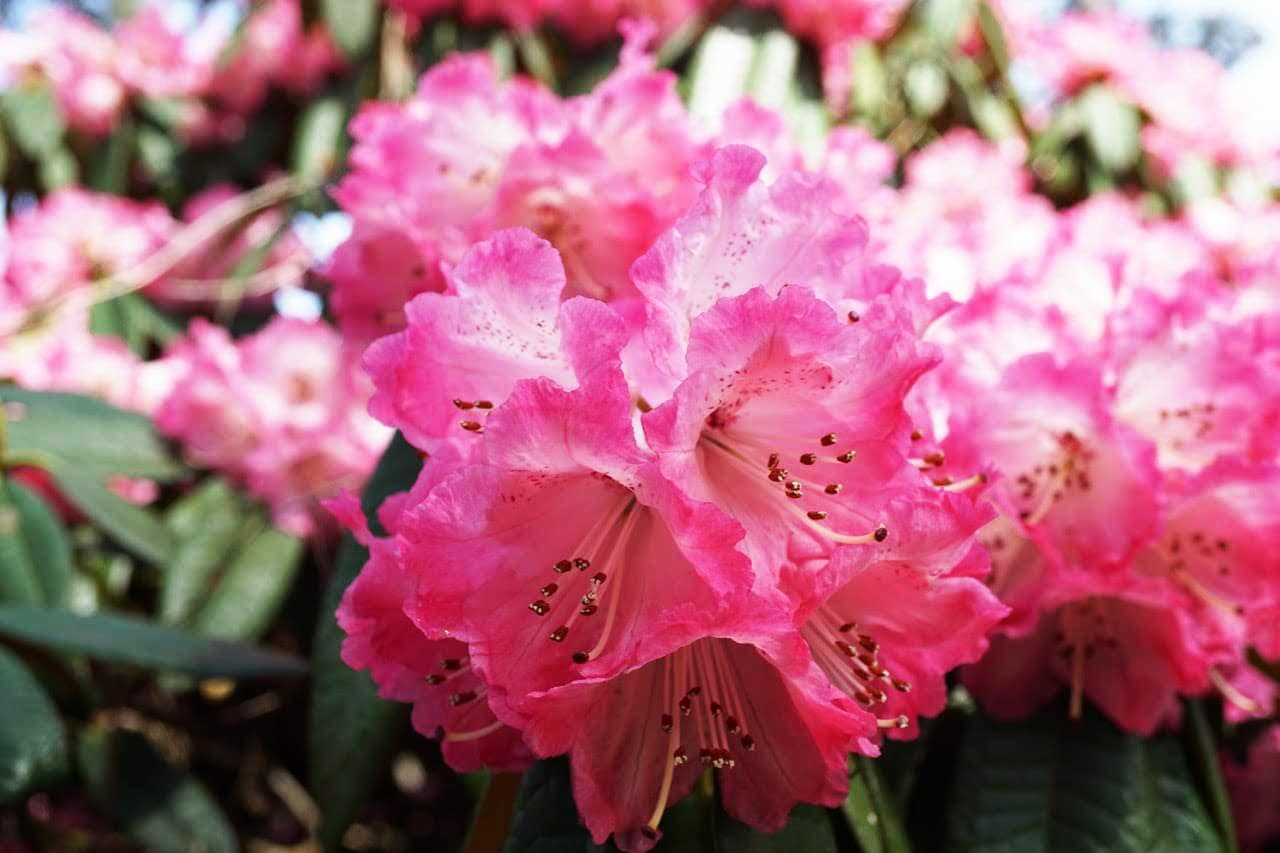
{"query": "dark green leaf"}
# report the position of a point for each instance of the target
(1051, 784)
(34, 119)
(353, 23)
(109, 164)
(18, 581)
(45, 428)
(206, 524)
(134, 642)
(808, 829)
(159, 805)
(871, 811)
(250, 593)
(47, 545)
(132, 319)
(317, 148)
(545, 819)
(352, 732)
(396, 471)
(1209, 768)
(33, 742)
(135, 528)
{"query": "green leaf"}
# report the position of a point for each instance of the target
(45, 428)
(870, 80)
(18, 581)
(1112, 128)
(58, 169)
(135, 528)
(206, 524)
(253, 588)
(47, 545)
(773, 69)
(871, 811)
(110, 160)
(719, 71)
(132, 319)
(993, 35)
(545, 819)
(33, 742)
(536, 57)
(317, 149)
(353, 23)
(396, 471)
(134, 642)
(808, 828)
(1209, 768)
(160, 806)
(926, 88)
(351, 731)
(1051, 784)
(34, 119)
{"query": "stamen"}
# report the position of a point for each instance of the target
(961, 485)
(847, 457)
(473, 734)
(464, 405)
(828, 439)
(833, 488)
(473, 426)
(899, 722)
(1208, 596)
(1233, 695)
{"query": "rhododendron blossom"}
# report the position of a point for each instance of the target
(291, 427)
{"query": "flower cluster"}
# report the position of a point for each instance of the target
(685, 527)
(587, 22)
(210, 80)
(743, 495)
(599, 176)
(281, 410)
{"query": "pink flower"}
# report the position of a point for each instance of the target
(75, 238)
(599, 175)
(155, 60)
(280, 409)
(500, 321)
(792, 420)
(375, 273)
(956, 236)
(564, 530)
(841, 21)
(407, 666)
(741, 234)
(751, 706)
(896, 623)
(1074, 480)
(1121, 641)
(1255, 792)
(1197, 391)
